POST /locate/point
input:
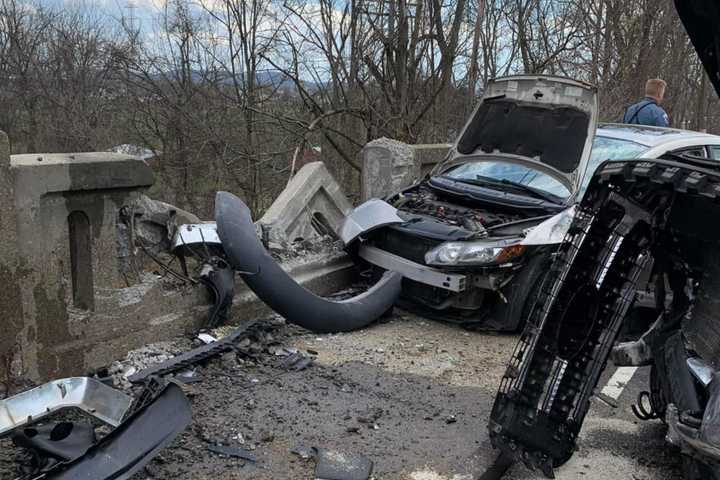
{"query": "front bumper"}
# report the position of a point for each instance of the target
(486, 278)
(454, 282)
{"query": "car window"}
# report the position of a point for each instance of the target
(697, 151)
(606, 148)
(714, 152)
(498, 170)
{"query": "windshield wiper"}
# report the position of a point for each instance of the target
(481, 181)
(484, 181)
(535, 191)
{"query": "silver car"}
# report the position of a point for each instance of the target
(474, 238)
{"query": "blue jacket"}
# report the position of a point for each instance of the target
(646, 112)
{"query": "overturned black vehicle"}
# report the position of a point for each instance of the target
(644, 215)
(461, 237)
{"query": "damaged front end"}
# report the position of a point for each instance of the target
(70, 450)
(463, 264)
(634, 212)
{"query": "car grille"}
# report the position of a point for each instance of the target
(405, 245)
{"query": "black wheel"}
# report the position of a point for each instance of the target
(524, 291)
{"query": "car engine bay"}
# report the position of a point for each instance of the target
(454, 211)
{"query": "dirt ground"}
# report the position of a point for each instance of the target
(412, 395)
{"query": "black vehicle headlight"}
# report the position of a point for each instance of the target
(473, 253)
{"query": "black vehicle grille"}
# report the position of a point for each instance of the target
(545, 393)
(405, 245)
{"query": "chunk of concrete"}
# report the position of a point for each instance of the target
(66, 215)
(390, 165)
(313, 204)
(387, 166)
(334, 465)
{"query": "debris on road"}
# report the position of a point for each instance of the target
(233, 452)
(194, 356)
(306, 453)
(64, 450)
(334, 465)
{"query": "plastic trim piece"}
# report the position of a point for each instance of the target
(128, 448)
(283, 294)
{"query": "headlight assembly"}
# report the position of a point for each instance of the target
(473, 254)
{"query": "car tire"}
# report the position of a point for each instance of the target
(524, 291)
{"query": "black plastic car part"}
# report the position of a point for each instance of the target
(219, 278)
(52, 443)
(129, 447)
(545, 393)
(194, 356)
(276, 288)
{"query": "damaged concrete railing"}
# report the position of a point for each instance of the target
(389, 165)
(67, 306)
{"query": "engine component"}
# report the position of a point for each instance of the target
(283, 294)
(425, 202)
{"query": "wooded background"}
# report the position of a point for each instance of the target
(230, 94)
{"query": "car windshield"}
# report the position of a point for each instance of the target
(509, 173)
(606, 148)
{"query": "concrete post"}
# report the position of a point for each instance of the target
(389, 165)
(10, 298)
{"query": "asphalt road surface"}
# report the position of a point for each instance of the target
(412, 395)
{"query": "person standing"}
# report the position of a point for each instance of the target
(648, 110)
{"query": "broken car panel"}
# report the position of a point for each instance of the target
(69, 450)
(634, 212)
(91, 396)
(128, 448)
(369, 216)
(459, 243)
(280, 292)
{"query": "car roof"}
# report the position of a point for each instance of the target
(650, 136)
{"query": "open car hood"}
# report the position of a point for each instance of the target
(547, 121)
(701, 18)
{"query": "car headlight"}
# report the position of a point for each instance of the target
(553, 230)
(473, 253)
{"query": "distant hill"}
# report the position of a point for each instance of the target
(268, 78)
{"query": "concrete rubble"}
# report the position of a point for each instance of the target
(312, 205)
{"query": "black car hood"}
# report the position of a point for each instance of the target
(702, 19)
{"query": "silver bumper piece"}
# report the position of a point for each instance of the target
(414, 271)
(196, 234)
(91, 396)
